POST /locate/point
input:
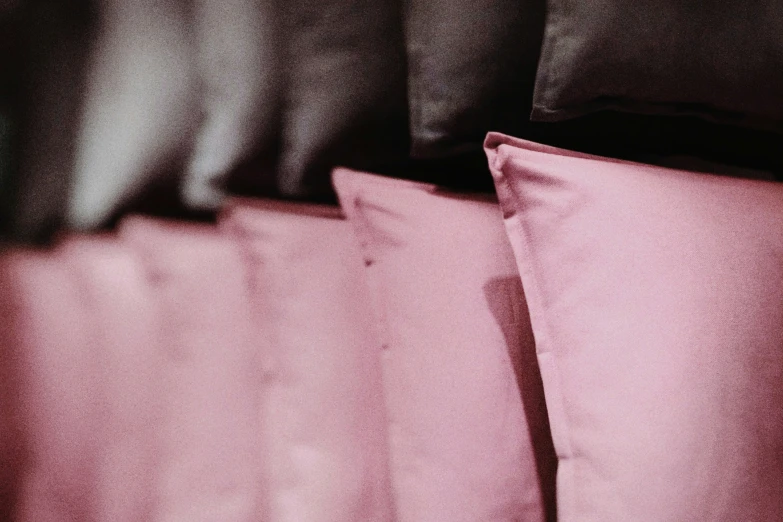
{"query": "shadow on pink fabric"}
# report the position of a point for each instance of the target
(656, 299)
(209, 466)
(11, 433)
(323, 411)
(17, 267)
(469, 434)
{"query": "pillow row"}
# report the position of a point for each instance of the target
(405, 359)
(180, 372)
(656, 304)
(247, 372)
(169, 101)
(287, 92)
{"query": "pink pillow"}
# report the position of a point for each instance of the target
(323, 412)
(81, 344)
(656, 298)
(209, 467)
(54, 362)
(125, 341)
(469, 435)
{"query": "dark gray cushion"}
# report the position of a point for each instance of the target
(45, 47)
(238, 97)
(716, 59)
(471, 69)
(343, 66)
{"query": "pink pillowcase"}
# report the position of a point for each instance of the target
(209, 462)
(124, 324)
(656, 299)
(54, 362)
(82, 344)
(469, 437)
(324, 422)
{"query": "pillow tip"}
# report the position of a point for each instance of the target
(493, 148)
(493, 140)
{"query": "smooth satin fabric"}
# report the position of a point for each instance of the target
(720, 60)
(125, 325)
(656, 300)
(81, 345)
(59, 391)
(469, 437)
(324, 423)
(135, 389)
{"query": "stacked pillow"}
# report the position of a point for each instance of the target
(54, 362)
(138, 115)
(471, 69)
(208, 453)
(343, 64)
(661, 78)
(240, 99)
(324, 434)
(468, 432)
(663, 56)
(656, 301)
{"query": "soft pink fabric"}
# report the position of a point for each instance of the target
(323, 411)
(469, 434)
(656, 299)
(58, 390)
(125, 326)
(80, 345)
(209, 467)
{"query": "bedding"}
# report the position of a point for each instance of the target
(56, 389)
(239, 95)
(469, 438)
(139, 112)
(656, 302)
(127, 364)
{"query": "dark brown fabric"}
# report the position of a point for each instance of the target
(471, 67)
(343, 66)
(717, 59)
(48, 43)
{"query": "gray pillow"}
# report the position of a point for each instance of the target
(716, 59)
(140, 109)
(238, 93)
(471, 69)
(344, 85)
